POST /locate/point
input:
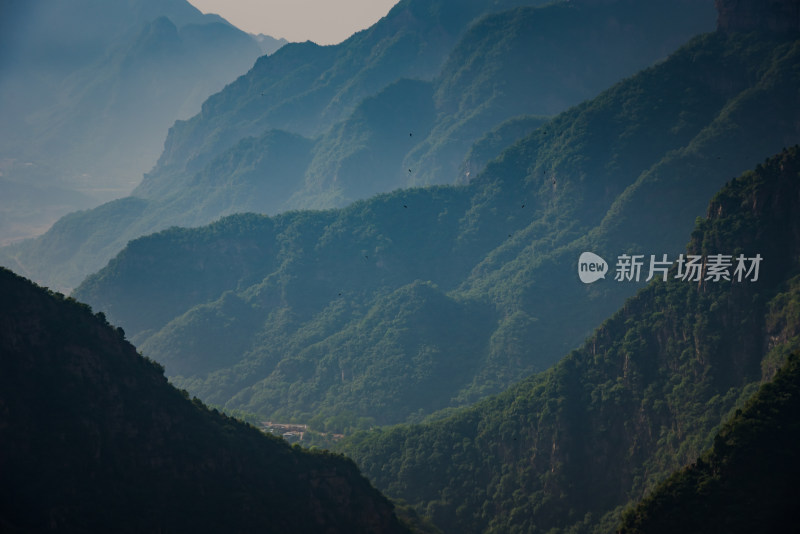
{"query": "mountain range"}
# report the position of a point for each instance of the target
(447, 333)
(397, 105)
(88, 89)
(429, 298)
(569, 449)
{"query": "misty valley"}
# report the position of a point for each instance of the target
(507, 266)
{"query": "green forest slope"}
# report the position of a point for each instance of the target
(746, 481)
(397, 105)
(94, 439)
(346, 318)
(567, 449)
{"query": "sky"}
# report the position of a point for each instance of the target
(321, 21)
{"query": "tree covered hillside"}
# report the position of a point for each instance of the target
(94, 439)
(397, 105)
(745, 481)
(427, 298)
(567, 449)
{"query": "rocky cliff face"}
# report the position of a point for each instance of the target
(747, 15)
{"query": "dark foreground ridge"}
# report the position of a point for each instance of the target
(746, 481)
(94, 439)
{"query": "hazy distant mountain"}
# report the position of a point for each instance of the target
(528, 60)
(568, 449)
(427, 298)
(312, 127)
(94, 439)
(88, 89)
(269, 44)
(416, 305)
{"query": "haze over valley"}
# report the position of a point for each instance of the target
(522, 266)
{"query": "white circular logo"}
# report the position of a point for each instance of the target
(591, 267)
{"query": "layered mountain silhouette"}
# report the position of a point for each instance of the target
(430, 298)
(397, 105)
(88, 90)
(569, 448)
(520, 398)
(94, 439)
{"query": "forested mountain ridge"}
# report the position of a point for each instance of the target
(745, 481)
(541, 61)
(94, 439)
(318, 127)
(567, 449)
(88, 89)
(306, 88)
(343, 318)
